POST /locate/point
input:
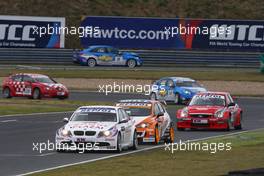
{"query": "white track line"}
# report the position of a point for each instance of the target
(131, 152)
(32, 114)
(5, 121)
(47, 154)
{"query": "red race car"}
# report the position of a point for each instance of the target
(34, 86)
(210, 110)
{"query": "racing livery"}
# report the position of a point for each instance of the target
(210, 110)
(153, 123)
(175, 89)
(106, 55)
(103, 127)
(34, 86)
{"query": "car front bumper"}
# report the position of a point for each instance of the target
(146, 134)
(195, 123)
(86, 143)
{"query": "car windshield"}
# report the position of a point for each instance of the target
(204, 100)
(138, 111)
(94, 117)
(44, 79)
(188, 84)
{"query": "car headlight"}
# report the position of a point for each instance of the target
(65, 133)
(219, 113)
(107, 133)
(143, 125)
(184, 113)
(187, 92)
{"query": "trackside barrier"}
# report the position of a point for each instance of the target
(152, 58)
(262, 63)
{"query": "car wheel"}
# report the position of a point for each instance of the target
(131, 63)
(229, 125)
(60, 151)
(62, 98)
(36, 94)
(6, 93)
(153, 96)
(157, 136)
(118, 144)
(170, 138)
(180, 129)
(91, 62)
(135, 141)
(239, 127)
(177, 98)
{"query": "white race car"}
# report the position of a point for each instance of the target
(97, 128)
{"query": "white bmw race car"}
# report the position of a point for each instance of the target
(97, 128)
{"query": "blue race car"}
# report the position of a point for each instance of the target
(106, 55)
(175, 89)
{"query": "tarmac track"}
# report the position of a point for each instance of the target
(18, 133)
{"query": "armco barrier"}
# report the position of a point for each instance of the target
(152, 58)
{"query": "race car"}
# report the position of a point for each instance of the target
(153, 122)
(97, 128)
(210, 110)
(106, 55)
(34, 86)
(175, 89)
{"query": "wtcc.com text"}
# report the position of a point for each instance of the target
(212, 147)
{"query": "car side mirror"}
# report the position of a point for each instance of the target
(123, 121)
(160, 114)
(231, 104)
(66, 120)
(234, 98)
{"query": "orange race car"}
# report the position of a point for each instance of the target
(153, 122)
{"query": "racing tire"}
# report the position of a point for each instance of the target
(91, 63)
(118, 144)
(239, 127)
(177, 99)
(229, 125)
(180, 129)
(153, 96)
(7, 93)
(157, 137)
(36, 94)
(131, 63)
(135, 141)
(60, 151)
(170, 138)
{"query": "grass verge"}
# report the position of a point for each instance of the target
(21, 106)
(223, 75)
(246, 153)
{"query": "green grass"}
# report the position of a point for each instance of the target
(225, 74)
(246, 153)
(22, 106)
